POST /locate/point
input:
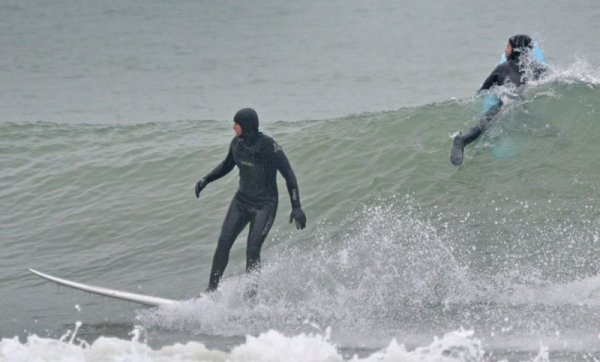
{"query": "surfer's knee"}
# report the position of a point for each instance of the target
(225, 242)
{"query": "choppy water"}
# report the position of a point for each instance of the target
(497, 258)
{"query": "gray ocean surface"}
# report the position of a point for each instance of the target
(111, 111)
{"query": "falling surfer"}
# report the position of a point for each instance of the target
(523, 63)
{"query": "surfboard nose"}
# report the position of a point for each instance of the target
(107, 292)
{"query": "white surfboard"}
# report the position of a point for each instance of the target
(112, 293)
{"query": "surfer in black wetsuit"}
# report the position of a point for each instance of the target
(258, 158)
(518, 68)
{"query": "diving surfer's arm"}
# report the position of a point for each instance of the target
(492, 80)
(540, 70)
(489, 82)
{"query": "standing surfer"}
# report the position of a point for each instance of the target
(518, 68)
(258, 158)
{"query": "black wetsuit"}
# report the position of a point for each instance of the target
(504, 73)
(509, 71)
(258, 158)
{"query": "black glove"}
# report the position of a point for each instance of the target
(200, 185)
(298, 215)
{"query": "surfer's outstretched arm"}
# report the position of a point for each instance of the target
(221, 170)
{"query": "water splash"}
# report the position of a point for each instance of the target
(459, 345)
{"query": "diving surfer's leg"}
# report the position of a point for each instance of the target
(488, 118)
(259, 229)
(460, 141)
(472, 134)
(235, 221)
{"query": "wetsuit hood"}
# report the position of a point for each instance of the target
(247, 118)
(521, 44)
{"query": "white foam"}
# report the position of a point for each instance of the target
(579, 70)
(347, 281)
(103, 349)
(458, 345)
(584, 291)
